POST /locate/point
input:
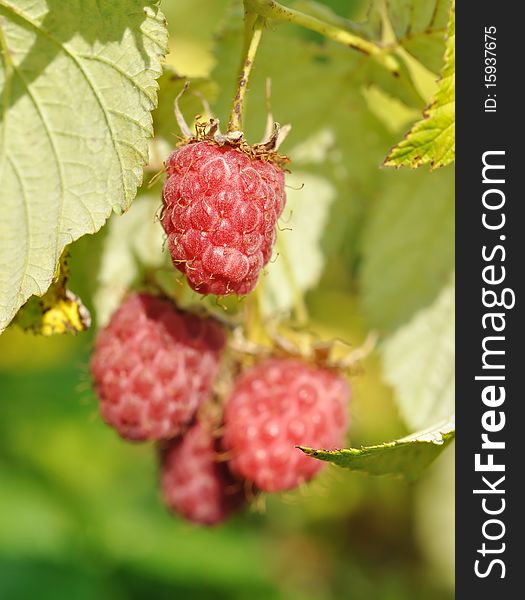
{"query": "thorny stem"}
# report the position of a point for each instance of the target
(273, 10)
(253, 28)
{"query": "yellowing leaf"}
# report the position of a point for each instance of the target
(58, 311)
(63, 313)
(432, 140)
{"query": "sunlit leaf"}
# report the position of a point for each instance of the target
(418, 361)
(408, 246)
(298, 259)
(134, 240)
(78, 82)
(432, 140)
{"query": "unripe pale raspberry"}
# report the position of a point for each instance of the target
(220, 212)
(194, 483)
(152, 367)
(276, 405)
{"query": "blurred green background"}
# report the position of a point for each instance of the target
(80, 517)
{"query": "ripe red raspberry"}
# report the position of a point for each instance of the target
(194, 484)
(276, 405)
(153, 366)
(220, 212)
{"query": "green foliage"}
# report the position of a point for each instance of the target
(401, 242)
(408, 246)
(432, 140)
(420, 28)
(134, 241)
(78, 86)
(406, 457)
(419, 363)
(359, 248)
(335, 12)
(435, 510)
(299, 260)
(91, 498)
(318, 88)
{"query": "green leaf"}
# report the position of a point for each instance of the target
(434, 511)
(418, 361)
(406, 457)
(420, 28)
(135, 239)
(432, 140)
(393, 113)
(299, 260)
(78, 84)
(336, 103)
(408, 246)
(338, 17)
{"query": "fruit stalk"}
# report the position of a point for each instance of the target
(253, 28)
(273, 10)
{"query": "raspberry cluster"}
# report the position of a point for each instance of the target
(220, 212)
(154, 368)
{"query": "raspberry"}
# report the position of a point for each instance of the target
(194, 484)
(153, 366)
(276, 405)
(220, 212)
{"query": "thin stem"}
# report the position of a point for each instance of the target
(254, 323)
(253, 28)
(273, 10)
